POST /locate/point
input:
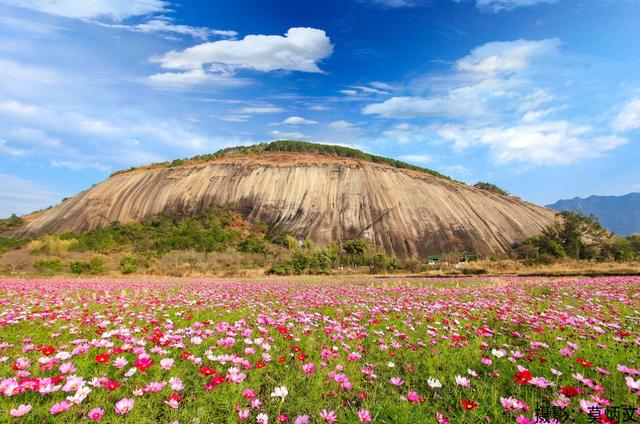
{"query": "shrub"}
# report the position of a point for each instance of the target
(95, 266)
(490, 187)
(7, 243)
(252, 244)
(48, 266)
(128, 264)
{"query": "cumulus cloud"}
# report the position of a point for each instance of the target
(546, 143)
(300, 49)
(507, 56)
(629, 117)
(115, 10)
(493, 72)
(298, 120)
(499, 97)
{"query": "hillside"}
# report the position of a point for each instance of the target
(619, 214)
(324, 197)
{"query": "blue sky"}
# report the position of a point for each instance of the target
(541, 97)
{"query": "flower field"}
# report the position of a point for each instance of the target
(414, 351)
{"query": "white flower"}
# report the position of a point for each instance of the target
(391, 364)
(462, 381)
(262, 419)
(434, 383)
(499, 353)
(280, 392)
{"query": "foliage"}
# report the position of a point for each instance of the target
(130, 264)
(490, 187)
(577, 236)
(215, 230)
(8, 243)
(51, 244)
(10, 223)
(95, 266)
(294, 146)
(354, 253)
(48, 266)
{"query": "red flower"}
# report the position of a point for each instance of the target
(102, 358)
(468, 404)
(207, 371)
(282, 359)
(362, 395)
(215, 381)
(260, 364)
(47, 350)
(584, 362)
(301, 356)
(143, 364)
(175, 396)
(522, 377)
(570, 391)
(185, 355)
(111, 385)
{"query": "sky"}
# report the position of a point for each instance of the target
(541, 97)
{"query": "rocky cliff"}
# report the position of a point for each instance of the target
(325, 198)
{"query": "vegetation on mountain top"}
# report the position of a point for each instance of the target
(291, 146)
(490, 187)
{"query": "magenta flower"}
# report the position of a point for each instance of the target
(96, 414)
(364, 416)
(59, 408)
(329, 417)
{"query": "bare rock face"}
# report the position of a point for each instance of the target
(408, 213)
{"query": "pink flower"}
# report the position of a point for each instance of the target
(462, 381)
(441, 418)
(301, 419)
(539, 382)
(511, 404)
(524, 420)
(124, 406)
(486, 361)
(166, 363)
(96, 414)
(59, 408)
(413, 397)
(262, 419)
(243, 414)
(309, 368)
(396, 381)
(248, 394)
(329, 417)
(632, 384)
(20, 411)
(364, 416)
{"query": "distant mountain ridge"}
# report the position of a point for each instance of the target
(620, 214)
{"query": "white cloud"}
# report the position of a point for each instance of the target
(500, 5)
(629, 117)
(416, 158)
(194, 77)
(116, 10)
(165, 25)
(489, 78)
(300, 49)
(21, 196)
(298, 120)
(10, 151)
(79, 165)
(259, 110)
(392, 3)
(341, 125)
(507, 56)
(286, 135)
(545, 143)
